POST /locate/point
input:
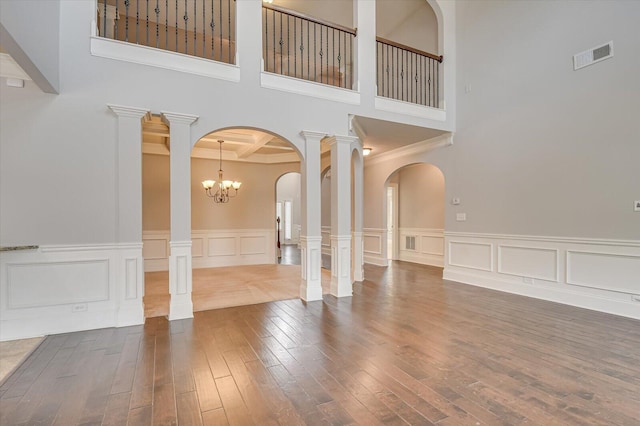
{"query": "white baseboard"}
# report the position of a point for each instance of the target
(60, 289)
(601, 275)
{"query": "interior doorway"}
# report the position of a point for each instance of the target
(392, 221)
(288, 221)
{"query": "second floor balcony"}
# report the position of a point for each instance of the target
(295, 43)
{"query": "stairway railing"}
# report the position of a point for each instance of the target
(408, 74)
(203, 28)
(308, 48)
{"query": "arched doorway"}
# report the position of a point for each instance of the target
(288, 218)
(416, 226)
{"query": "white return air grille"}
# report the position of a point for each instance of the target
(591, 56)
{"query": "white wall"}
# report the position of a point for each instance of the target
(544, 160)
(35, 46)
(421, 197)
(542, 149)
(409, 22)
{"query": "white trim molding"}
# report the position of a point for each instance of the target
(408, 108)
(66, 288)
(144, 55)
(309, 88)
(597, 274)
(440, 141)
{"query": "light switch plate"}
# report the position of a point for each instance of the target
(636, 206)
(461, 217)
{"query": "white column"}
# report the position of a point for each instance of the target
(341, 285)
(358, 196)
(365, 17)
(180, 271)
(311, 238)
(130, 282)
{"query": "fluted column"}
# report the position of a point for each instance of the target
(130, 282)
(310, 238)
(180, 269)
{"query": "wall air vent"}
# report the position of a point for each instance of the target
(591, 56)
(410, 243)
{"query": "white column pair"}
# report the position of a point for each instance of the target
(341, 238)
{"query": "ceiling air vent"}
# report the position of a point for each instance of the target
(591, 56)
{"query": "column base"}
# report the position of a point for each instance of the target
(180, 280)
(341, 285)
(311, 256)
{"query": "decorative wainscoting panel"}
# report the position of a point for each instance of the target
(602, 275)
(59, 289)
(213, 248)
(595, 269)
(532, 262)
(373, 240)
(325, 233)
(429, 246)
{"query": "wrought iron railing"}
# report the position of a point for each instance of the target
(300, 46)
(408, 74)
(203, 28)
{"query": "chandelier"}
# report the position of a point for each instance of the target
(222, 192)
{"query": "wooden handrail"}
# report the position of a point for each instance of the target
(410, 49)
(319, 21)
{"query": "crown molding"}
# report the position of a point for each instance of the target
(413, 149)
(177, 117)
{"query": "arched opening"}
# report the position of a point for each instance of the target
(408, 49)
(415, 207)
(288, 222)
(233, 242)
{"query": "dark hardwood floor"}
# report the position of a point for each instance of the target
(407, 348)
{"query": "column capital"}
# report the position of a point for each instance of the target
(337, 139)
(307, 134)
(132, 112)
(178, 118)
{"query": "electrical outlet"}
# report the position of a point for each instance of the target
(461, 217)
(80, 307)
(527, 280)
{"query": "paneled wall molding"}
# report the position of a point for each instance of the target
(311, 259)
(213, 248)
(413, 149)
(373, 242)
(596, 274)
(325, 231)
(65, 288)
(429, 246)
